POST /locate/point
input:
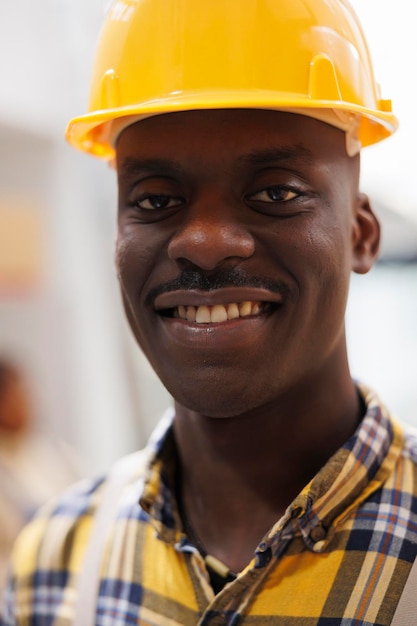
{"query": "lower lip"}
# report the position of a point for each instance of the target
(214, 336)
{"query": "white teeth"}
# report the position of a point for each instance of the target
(190, 313)
(232, 311)
(245, 309)
(202, 315)
(217, 313)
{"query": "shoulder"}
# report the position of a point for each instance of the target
(55, 539)
(49, 553)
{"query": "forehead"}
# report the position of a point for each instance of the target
(237, 136)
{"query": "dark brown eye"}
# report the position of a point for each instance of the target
(154, 202)
(274, 194)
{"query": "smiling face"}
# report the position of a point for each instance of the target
(237, 233)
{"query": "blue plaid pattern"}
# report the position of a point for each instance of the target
(340, 555)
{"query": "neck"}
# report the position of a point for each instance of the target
(239, 474)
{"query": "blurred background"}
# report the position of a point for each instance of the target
(61, 320)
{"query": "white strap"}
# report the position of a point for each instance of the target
(89, 578)
(88, 585)
(406, 612)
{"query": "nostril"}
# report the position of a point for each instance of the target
(186, 265)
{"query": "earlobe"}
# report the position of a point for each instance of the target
(365, 236)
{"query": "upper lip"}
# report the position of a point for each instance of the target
(227, 295)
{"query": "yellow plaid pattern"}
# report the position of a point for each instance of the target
(339, 556)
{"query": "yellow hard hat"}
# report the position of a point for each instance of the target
(161, 56)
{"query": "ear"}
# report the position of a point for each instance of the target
(366, 235)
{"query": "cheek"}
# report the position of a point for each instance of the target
(330, 254)
(317, 256)
(132, 266)
(121, 256)
(329, 269)
(314, 246)
(136, 255)
(139, 256)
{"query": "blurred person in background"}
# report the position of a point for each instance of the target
(34, 466)
(277, 491)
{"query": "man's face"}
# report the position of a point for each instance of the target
(237, 233)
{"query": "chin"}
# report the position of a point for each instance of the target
(216, 401)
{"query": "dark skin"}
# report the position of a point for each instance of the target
(222, 207)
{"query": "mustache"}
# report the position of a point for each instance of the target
(192, 279)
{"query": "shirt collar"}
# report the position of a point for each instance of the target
(356, 470)
(359, 468)
(158, 496)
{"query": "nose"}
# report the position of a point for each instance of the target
(210, 234)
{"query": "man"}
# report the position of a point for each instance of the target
(279, 491)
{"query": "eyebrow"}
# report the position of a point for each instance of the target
(131, 166)
(297, 153)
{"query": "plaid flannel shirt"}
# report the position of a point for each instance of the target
(340, 555)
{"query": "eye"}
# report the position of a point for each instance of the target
(274, 194)
(155, 202)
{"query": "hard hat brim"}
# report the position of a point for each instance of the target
(92, 132)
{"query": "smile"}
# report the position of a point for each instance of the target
(218, 306)
(219, 312)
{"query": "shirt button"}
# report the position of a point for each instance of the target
(319, 546)
(317, 534)
(263, 547)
